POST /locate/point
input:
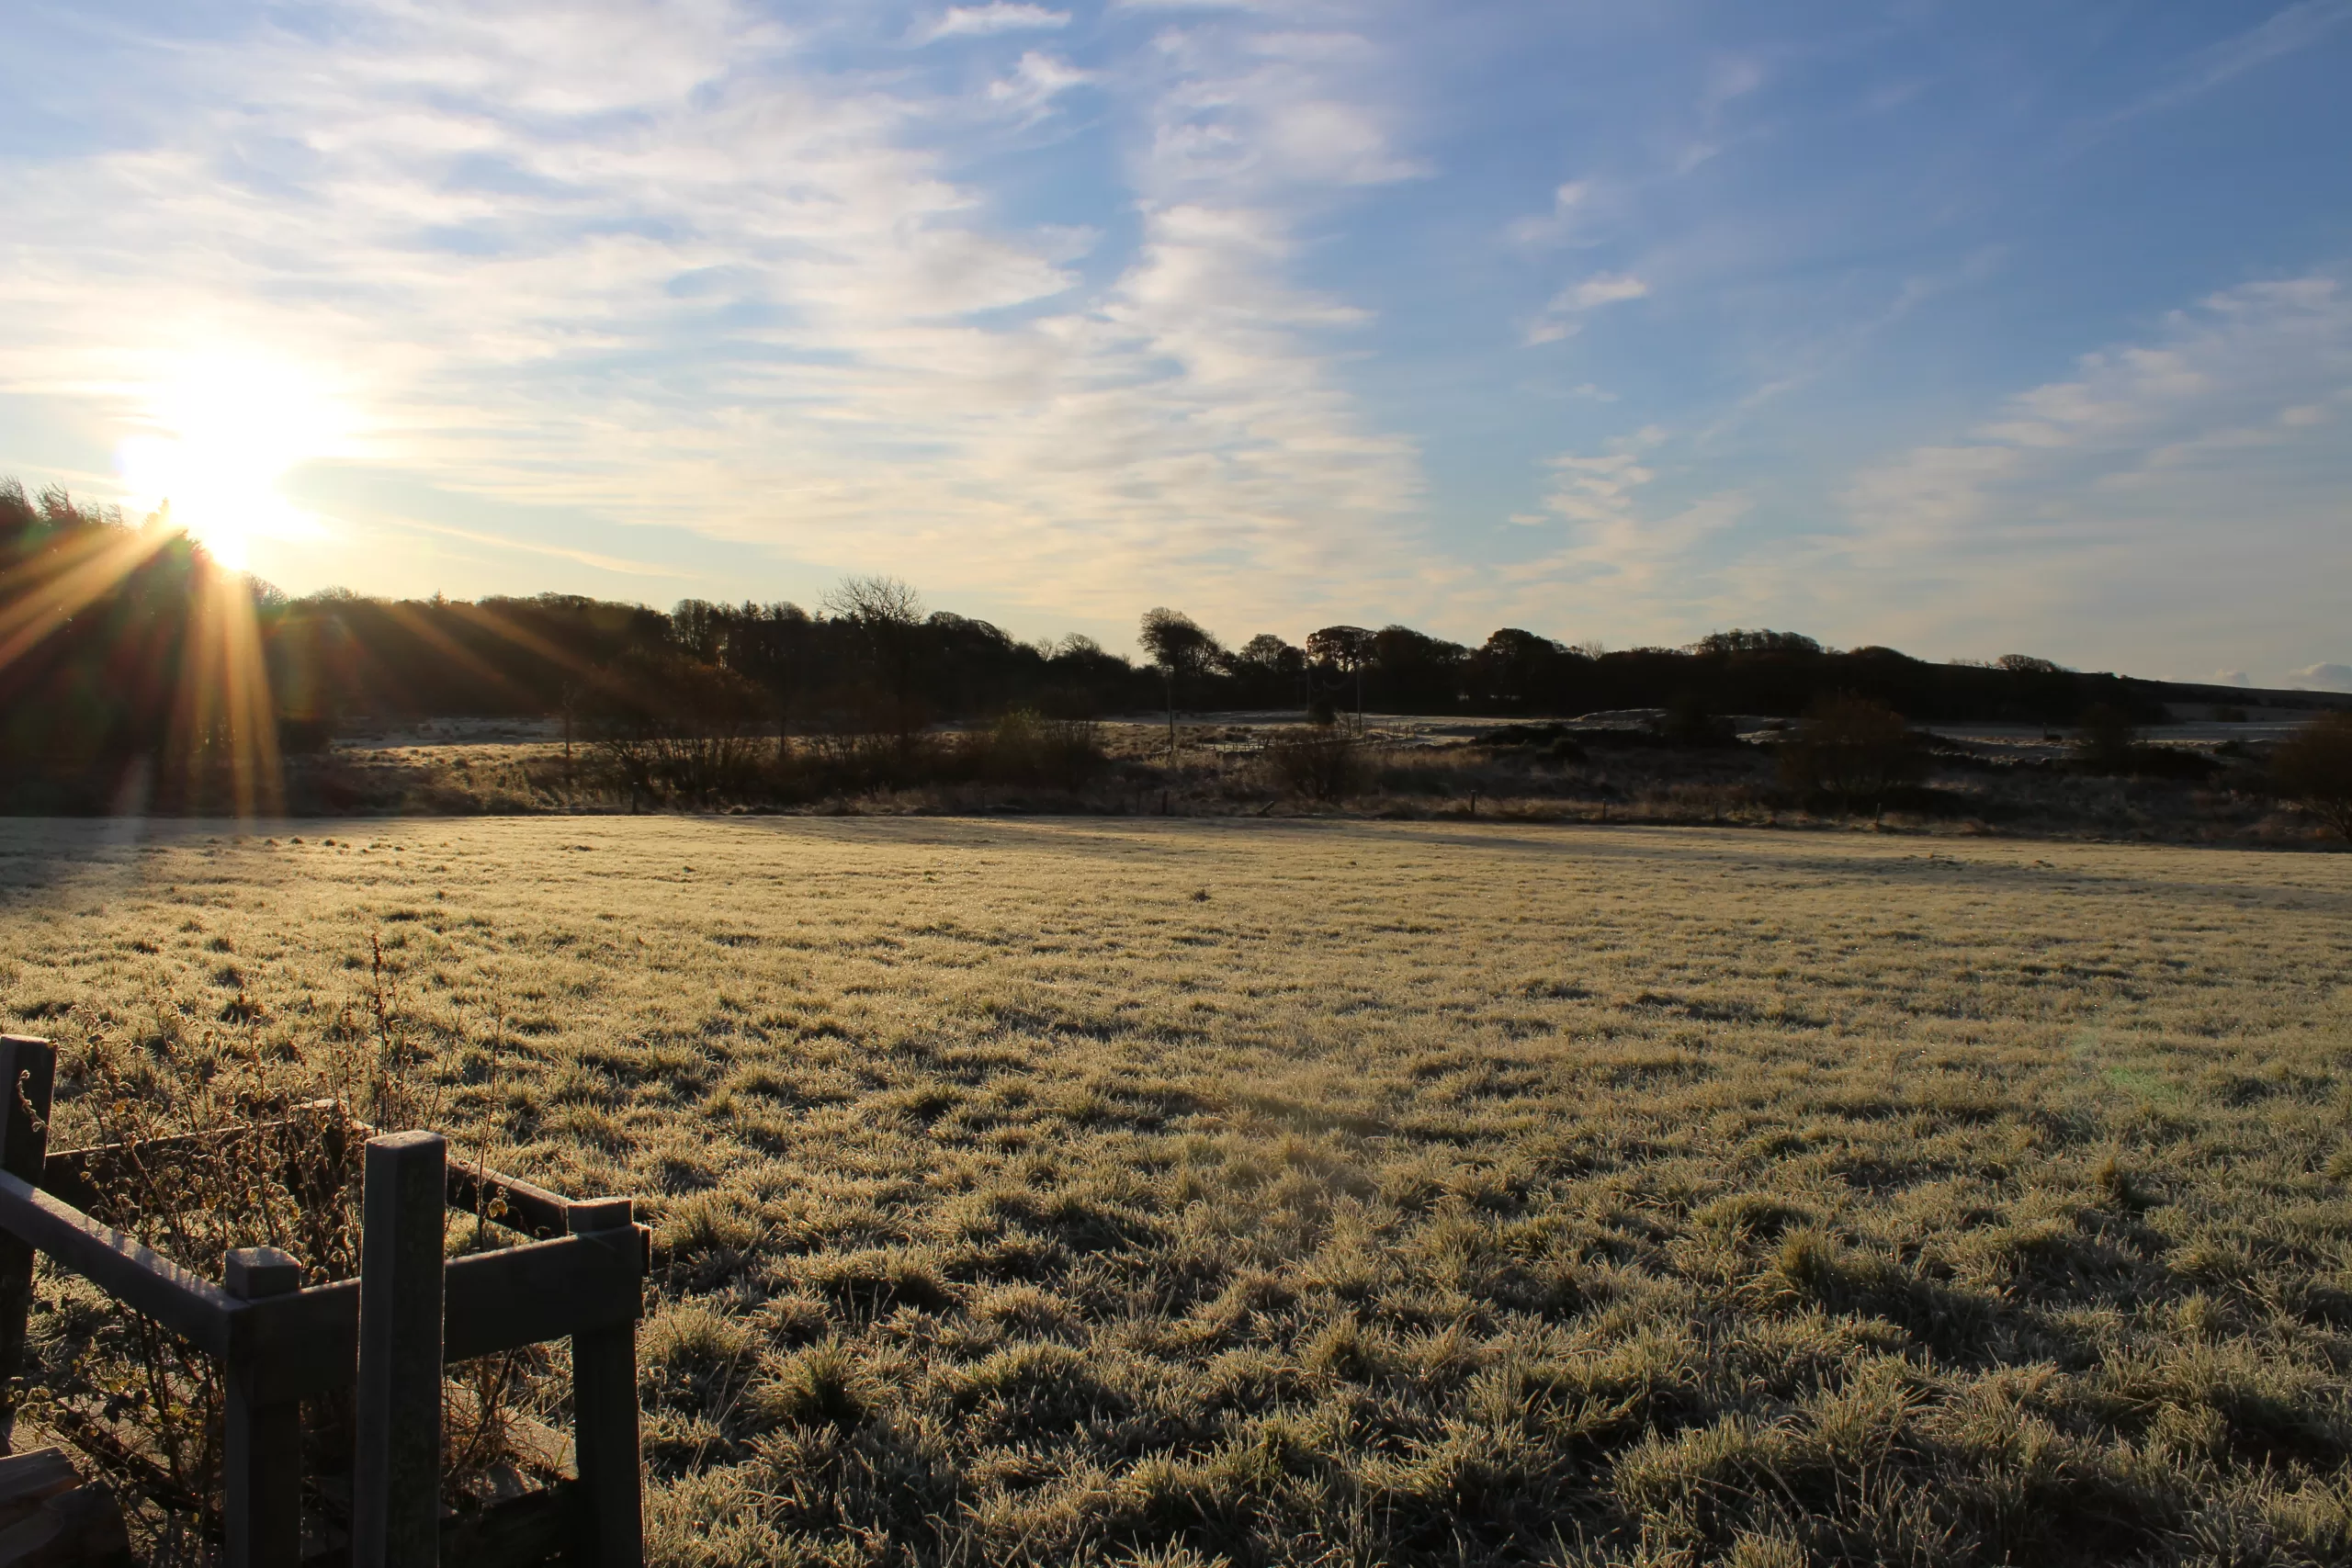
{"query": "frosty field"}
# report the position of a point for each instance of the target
(1129, 1190)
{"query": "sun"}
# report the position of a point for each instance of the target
(217, 437)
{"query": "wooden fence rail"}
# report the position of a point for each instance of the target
(387, 1333)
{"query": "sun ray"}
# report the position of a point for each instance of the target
(225, 716)
(45, 599)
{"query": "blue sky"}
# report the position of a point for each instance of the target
(1966, 328)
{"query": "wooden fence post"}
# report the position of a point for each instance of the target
(603, 1409)
(27, 1083)
(262, 1451)
(396, 1457)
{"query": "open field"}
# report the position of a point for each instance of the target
(2208, 783)
(1125, 1190)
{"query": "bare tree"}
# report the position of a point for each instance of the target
(875, 601)
(889, 613)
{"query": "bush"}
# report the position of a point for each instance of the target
(2106, 742)
(1322, 764)
(668, 726)
(1688, 721)
(2315, 770)
(1023, 747)
(1850, 748)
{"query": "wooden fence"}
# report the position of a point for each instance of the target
(387, 1333)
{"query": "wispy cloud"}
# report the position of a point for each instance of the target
(1569, 201)
(1035, 83)
(686, 275)
(1559, 318)
(1000, 16)
(625, 566)
(2281, 33)
(2163, 483)
(2141, 503)
(1616, 546)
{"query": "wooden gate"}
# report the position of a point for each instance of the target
(388, 1335)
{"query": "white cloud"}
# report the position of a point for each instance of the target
(1618, 557)
(687, 274)
(1000, 16)
(2248, 369)
(2185, 493)
(1035, 83)
(2324, 677)
(2230, 677)
(2284, 31)
(1558, 320)
(2173, 504)
(1595, 489)
(1608, 289)
(1555, 226)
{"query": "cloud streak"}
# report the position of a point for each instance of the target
(1003, 16)
(1561, 317)
(682, 275)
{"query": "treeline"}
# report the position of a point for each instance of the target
(121, 644)
(105, 634)
(871, 660)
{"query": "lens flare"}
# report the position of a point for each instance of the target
(220, 435)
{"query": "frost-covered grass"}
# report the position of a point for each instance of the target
(1366, 1193)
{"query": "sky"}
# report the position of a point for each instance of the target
(1972, 328)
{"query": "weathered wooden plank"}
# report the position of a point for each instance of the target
(81, 1529)
(521, 1295)
(396, 1455)
(28, 1080)
(536, 1527)
(507, 1200)
(182, 1301)
(302, 1344)
(521, 1532)
(262, 1440)
(307, 1343)
(26, 1478)
(603, 1406)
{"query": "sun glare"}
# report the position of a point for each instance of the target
(220, 437)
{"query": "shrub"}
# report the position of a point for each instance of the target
(1850, 748)
(1024, 747)
(2315, 770)
(666, 725)
(1321, 764)
(2106, 742)
(1688, 721)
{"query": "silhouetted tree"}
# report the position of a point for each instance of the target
(2105, 740)
(886, 614)
(1850, 748)
(1344, 650)
(1738, 640)
(2313, 768)
(1180, 648)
